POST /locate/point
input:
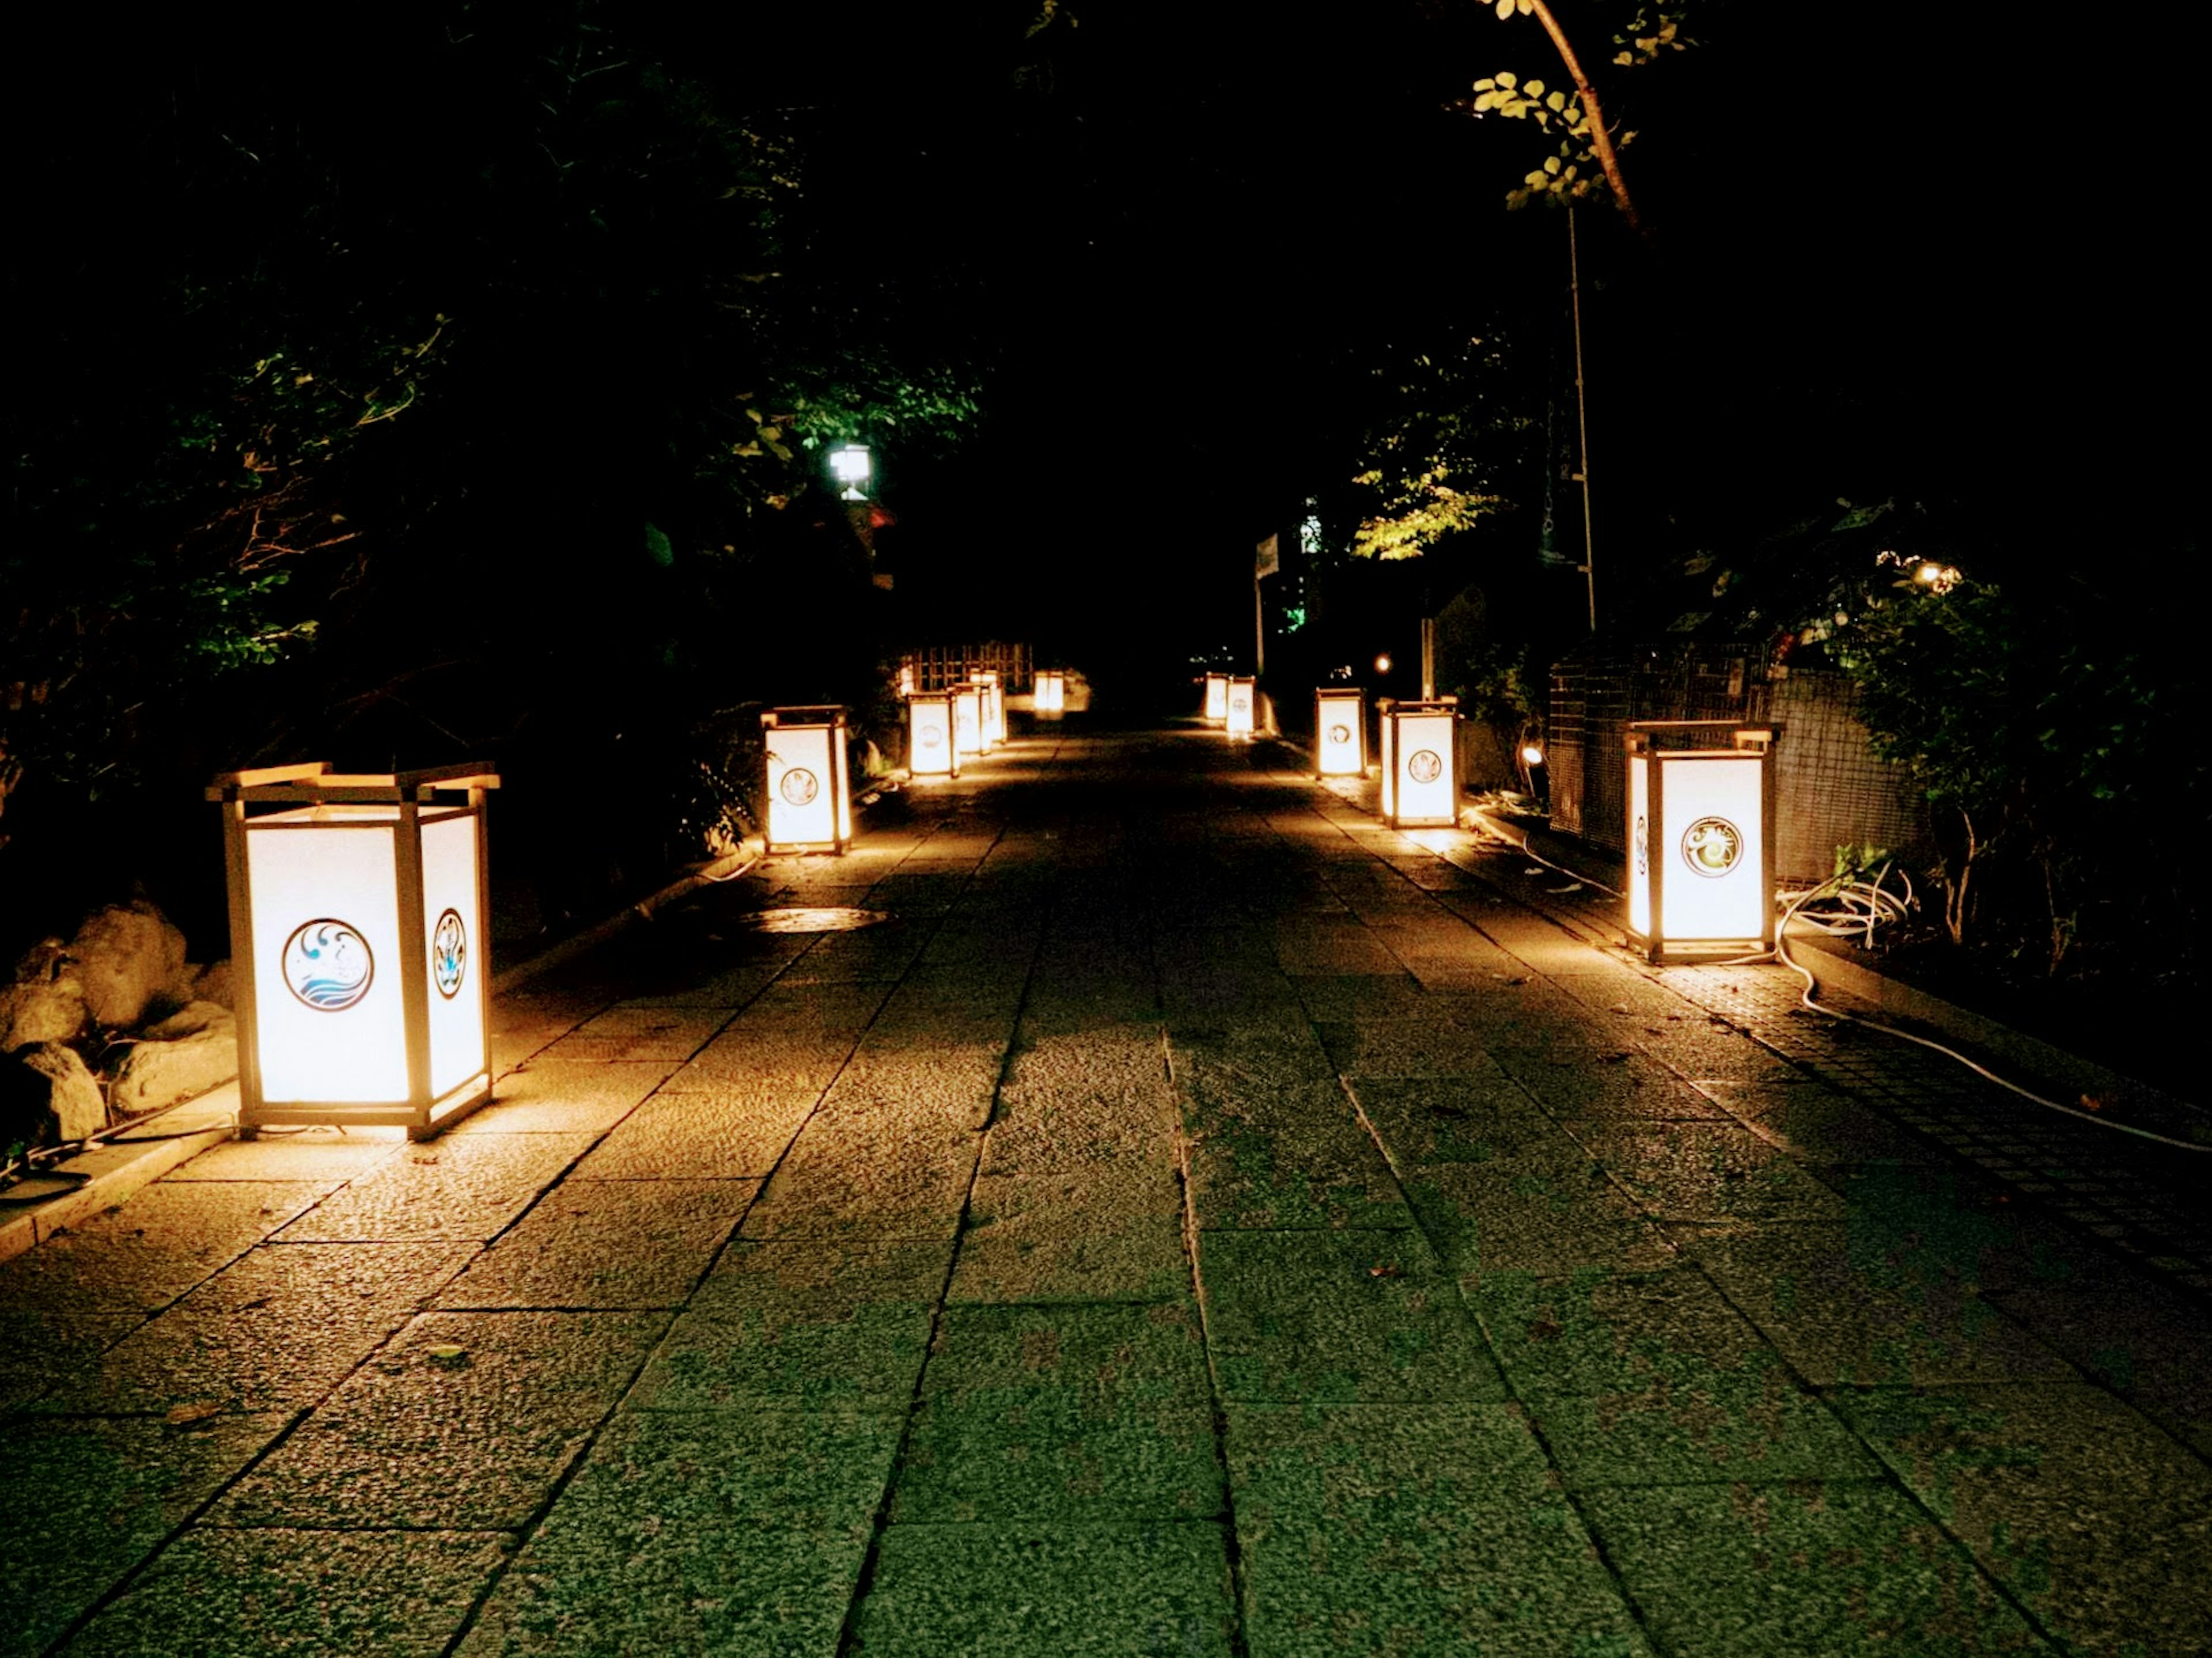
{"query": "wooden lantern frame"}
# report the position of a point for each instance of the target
(1394, 717)
(1656, 747)
(915, 701)
(302, 799)
(1349, 702)
(828, 719)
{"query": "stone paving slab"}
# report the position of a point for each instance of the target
(275, 1330)
(553, 1095)
(697, 1534)
(2055, 1488)
(1146, 1589)
(463, 1185)
(1546, 1214)
(607, 1243)
(89, 1500)
(1082, 1413)
(145, 1254)
(1338, 1317)
(224, 1593)
(464, 1423)
(1812, 1569)
(716, 1132)
(1432, 1529)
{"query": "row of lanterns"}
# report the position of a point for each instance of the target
(358, 903)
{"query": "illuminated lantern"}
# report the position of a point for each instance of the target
(1700, 837)
(1340, 731)
(1420, 775)
(929, 749)
(358, 907)
(1051, 688)
(809, 795)
(1243, 698)
(993, 709)
(1217, 696)
(967, 719)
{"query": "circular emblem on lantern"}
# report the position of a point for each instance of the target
(799, 786)
(1340, 733)
(327, 965)
(1643, 839)
(1711, 846)
(1239, 702)
(932, 736)
(449, 954)
(1422, 766)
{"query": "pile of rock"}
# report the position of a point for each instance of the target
(122, 992)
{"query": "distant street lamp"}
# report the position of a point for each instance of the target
(851, 467)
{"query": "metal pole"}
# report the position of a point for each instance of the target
(1428, 658)
(1582, 419)
(1258, 631)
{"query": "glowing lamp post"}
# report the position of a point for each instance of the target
(1051, 693)
(967, 721)
(1243, 698)
(1339, 731)
(1700, 837)
(358, 907)
(929, 747)
(809, 794)
(1217, 696)
(1420, 779)
(851, 467)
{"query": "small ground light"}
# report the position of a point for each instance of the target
(851, 467)
(1531, 755)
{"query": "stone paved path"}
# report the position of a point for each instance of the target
(1199, 1222)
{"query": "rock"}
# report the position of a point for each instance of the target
(26, 1119)
(45, 1008)
(213, 983)
(127, 955)
(160, 1073)
(190, 1020)
(73, 1094)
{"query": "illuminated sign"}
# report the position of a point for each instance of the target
(929, 735)
(1340, 731)
(1700, 835)
(810, 799)
(1420, 783)
(354, 901)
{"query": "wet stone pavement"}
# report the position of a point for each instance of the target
(1197, 1222)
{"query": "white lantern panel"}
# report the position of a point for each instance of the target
(1217, 696)
(1713, 882)
(1340, 738)
(1051, 693)
(328, 1012)
(1639, 845)
(802, 791)
(929, 737)
(968, 721)
(454, 934)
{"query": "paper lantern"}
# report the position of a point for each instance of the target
(929, 747)
(1420, 772)
(809, 794)
(967, 719)
(1050, 688)
(1340, 731)
(992, 709)
(1217, 696)
(1700, 837)
(357, 936)
(1243, 699)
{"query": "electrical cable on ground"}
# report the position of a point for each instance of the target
(1781, 954)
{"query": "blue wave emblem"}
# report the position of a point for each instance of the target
(449, 953)
(328, 965)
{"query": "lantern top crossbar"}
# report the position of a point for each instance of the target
(315, 784)
(822, 713)
(1645, 736)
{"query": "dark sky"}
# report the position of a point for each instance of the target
(1885, 258)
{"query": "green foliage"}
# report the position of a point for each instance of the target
(1445, 433)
